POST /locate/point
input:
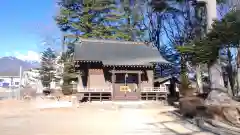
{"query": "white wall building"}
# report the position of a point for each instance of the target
(32, 78)
(9, 81)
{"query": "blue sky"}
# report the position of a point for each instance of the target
(25, 24)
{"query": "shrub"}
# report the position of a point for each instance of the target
(185, 88)
(68, 89)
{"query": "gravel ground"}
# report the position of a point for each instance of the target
(109, 118)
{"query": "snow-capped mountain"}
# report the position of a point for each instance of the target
(9, 66)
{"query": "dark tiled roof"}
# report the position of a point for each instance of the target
(117, 52)
(164, 79)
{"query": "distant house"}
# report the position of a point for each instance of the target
(9, 79)
(32, 78)
(165, 82)
(9, 70)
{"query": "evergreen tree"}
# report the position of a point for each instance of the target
(225, 33)
(47, 70)
(132, 19)
(90, 18)
(69, 74)
(99, 19)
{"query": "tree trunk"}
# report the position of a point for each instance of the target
(238, 70)
(199, 79)
(238, 80)
(215, 74)
(229, 90)
(230, 71)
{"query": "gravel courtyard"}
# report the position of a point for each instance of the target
(108, 118)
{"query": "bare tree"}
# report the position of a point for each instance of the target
(176, 23)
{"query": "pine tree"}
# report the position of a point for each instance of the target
(225, 33)
(47, 70)
(90, 18)
(68, 62)
(99, 19)
(69, 74)
(132, 19)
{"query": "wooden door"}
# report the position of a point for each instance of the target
(123, 92)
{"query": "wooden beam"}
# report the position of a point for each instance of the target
(125, 71)
(141, 66)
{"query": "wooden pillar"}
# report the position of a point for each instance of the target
(88, 78)
(90, 97)
(139, 85)
(113, 82)
(101, 96)
(153, 76)
(161, 70)
(139, 81)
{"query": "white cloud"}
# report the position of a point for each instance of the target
(29, 55)
(7, 54)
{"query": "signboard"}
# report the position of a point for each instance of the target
(125, 88)
(96, 72)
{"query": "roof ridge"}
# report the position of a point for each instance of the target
(110, 41)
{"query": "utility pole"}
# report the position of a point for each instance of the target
(20, 83)
(20, 75)
(63, 44)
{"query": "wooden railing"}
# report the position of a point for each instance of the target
(95, 90)
(145, 89)
(155, 89)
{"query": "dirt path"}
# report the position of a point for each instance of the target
(97, 119)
